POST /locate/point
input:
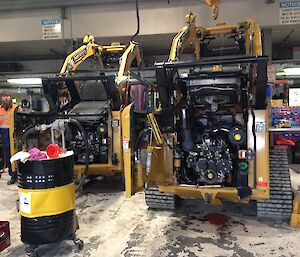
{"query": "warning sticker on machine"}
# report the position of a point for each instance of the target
(51, 29)
(289, 12)
(25, 202)
(125, 145)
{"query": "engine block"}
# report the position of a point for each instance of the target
(210, 161)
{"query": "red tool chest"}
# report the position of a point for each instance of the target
(4, 235)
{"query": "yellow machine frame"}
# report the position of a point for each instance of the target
(162, 161)
(71, 63)
(87, 50)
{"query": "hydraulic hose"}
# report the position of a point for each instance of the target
(139, 140)
(87, 161)
(254, 138)
(140, 137)
(27, 132)
(186, 134)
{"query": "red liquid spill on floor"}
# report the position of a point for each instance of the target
(218, 219)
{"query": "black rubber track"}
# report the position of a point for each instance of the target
(279, 206)
(157, 200)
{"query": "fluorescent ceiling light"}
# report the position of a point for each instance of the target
(281, 73)
(292, 71)
(26, 81)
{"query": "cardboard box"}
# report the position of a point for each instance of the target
(4, 235)
(294, 97)
(278, 102)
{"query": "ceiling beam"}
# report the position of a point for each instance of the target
(17, 5)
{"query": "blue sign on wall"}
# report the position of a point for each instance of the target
(51, 28)
(50, 22)
(290, 4)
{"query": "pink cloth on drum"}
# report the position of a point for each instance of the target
(36, 154)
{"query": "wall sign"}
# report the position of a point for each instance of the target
(289, 12)
(294, 97)
(271, 73)
(51, 29)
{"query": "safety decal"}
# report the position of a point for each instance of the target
(25, 202)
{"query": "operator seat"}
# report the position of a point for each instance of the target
(93, 91)
(93, 102)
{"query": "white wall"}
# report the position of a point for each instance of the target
(159, 17)
(20, 26)
(42, 66)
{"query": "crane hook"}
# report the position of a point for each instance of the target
(214, 4)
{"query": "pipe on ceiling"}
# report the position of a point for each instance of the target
(18, 5)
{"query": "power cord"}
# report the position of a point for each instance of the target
(135, 37)
(138, 20)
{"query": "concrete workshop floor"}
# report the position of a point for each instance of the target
(112, 226)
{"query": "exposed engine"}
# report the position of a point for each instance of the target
(211, 161)
(209, 150)
(210, 155)
(85, 106)
(210, 136)
(97, 139)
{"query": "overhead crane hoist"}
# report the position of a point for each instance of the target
(214, 4)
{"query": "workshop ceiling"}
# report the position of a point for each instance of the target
(40, 49)
(152, 44)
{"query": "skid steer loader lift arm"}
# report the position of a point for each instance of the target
(247, 35)
(91, 49)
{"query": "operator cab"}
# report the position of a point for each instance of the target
(89, 101)
(82, 97)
